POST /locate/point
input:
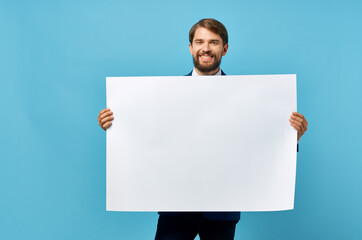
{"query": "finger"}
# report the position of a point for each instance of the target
(103, 111)
(301, 133)
(305, 124)
(106, 114)
(302, 130)
(106, 125)
(299, 119)
(100, 124)
(295, 121)
(302, 121)
(297, 114)
(107, 119)
(299, 127)
(296, 125)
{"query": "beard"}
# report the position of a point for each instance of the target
(208, 68)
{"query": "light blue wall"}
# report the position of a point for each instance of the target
(55, 55)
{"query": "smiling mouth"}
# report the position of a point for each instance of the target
(206, 58)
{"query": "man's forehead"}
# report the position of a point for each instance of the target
(203, 33)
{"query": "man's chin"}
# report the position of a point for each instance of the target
(206, 67)
(206, 70)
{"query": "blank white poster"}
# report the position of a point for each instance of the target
(210, 143)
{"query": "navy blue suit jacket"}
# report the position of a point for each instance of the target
(224, 216)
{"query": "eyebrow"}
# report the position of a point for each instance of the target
(211, 40)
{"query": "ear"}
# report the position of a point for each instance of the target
(190, 47)
(225, 49)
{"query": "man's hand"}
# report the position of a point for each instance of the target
(105, 118)
(298, 121)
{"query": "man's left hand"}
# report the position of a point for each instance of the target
(298, 121)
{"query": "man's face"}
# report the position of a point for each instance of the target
(207, 49)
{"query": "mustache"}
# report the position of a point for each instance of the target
(205, 53)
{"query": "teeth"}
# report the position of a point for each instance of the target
(205, 57)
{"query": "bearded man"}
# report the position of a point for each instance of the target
(208, 44)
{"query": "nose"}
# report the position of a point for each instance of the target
(206, 47)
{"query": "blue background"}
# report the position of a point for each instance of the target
(55, 55)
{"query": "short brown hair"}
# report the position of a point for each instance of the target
(211, 25)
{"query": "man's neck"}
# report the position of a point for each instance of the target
(206, 73)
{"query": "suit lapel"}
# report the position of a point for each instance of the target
(190, 74)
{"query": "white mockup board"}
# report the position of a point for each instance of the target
(212, 143)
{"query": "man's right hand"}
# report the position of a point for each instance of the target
(105, 118)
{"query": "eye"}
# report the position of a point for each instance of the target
(214, 42)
